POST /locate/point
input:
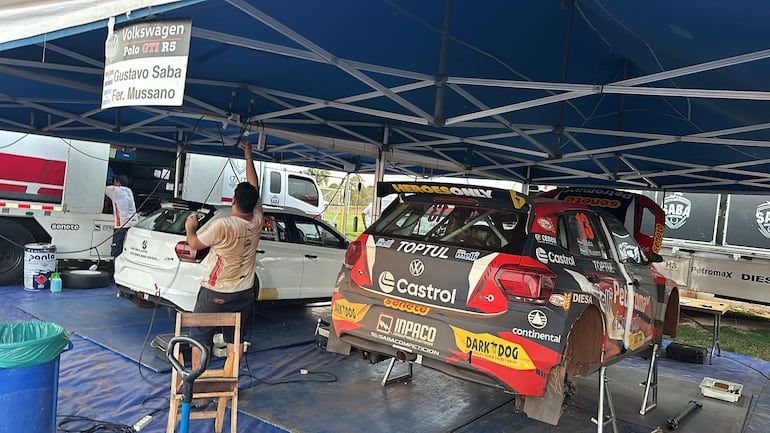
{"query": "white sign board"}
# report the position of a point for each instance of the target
(146, 64)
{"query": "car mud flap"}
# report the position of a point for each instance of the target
(548, 407)
(333, 342)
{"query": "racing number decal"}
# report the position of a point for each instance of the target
(584, 225)
(435, 212)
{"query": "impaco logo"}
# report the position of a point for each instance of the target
(677, 209)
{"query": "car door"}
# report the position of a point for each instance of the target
(279, 260)
(323, 252)
(598, 272)
(640, 291)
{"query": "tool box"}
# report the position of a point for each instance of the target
(721, 389)
(686, 353)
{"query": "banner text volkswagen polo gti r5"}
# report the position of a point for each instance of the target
(494, 287)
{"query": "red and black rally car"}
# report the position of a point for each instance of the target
(498, 288)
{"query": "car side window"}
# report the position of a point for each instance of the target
(583, 235)
(628, 250)
(274, 228)
(303, 189)
(314, 233)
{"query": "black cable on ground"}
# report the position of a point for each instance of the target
(302, 376)
(83, 424)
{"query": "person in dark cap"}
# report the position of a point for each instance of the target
(228, 283)
(123, 210)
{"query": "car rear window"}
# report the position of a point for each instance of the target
(454, 223)
(169, 220)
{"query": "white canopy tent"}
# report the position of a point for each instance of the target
(49, 19)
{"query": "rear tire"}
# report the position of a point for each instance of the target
(85, 279)
(13, 237)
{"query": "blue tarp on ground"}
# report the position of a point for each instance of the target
(102, 384)
(127, 330)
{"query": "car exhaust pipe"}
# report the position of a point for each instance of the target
(405, 356)
(372, 358)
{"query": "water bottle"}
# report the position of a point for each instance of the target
(55, 282)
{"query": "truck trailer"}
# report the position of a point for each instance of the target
(51, 192)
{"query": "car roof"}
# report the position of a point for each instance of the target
(224, 210)
(182, 204)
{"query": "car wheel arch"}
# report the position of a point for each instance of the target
(671, 315)
(585, 341)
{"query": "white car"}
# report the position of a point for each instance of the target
(299, 257)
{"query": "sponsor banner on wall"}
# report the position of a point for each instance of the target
(146, 64)
(691, 217)
(747, 221)
(740, 279)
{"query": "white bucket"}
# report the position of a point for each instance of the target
(39, 264)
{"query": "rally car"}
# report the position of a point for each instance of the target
(498, 288)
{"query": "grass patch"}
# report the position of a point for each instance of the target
(750, 342)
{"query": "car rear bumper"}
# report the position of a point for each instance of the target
(181, 293)
(468, 349)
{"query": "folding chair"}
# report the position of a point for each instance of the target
(221, 384)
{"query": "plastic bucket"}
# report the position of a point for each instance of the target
(28, 397)
(29, 387)
(39, 264)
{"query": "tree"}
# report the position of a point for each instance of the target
(359, 196)
(321, 176)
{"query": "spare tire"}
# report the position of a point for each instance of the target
(13, 237)
(85, 279)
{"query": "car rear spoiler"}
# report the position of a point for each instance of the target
(481, 195)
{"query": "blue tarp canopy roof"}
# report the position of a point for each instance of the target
(653, 95)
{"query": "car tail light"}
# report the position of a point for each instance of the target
(526, 284)
(186, 253)
(353, 253)
(356, 261)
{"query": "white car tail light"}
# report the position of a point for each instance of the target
(186, 253)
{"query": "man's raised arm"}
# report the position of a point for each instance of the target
(251, 172)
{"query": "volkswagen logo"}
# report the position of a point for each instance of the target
(144, 245)
(416, 267)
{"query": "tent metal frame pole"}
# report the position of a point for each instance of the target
(330, 58)
(379, 175)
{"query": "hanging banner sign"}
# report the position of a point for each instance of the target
(146, 64)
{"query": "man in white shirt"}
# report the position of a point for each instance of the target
(228, 284)
(123, 211)
(367, 212)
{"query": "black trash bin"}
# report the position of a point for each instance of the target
(29, 375)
